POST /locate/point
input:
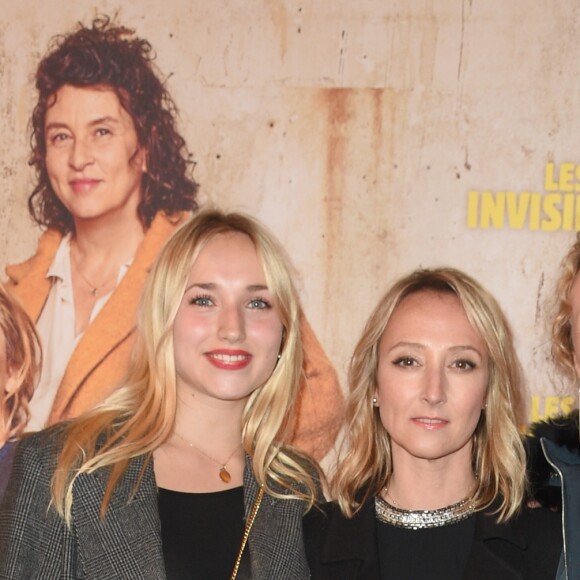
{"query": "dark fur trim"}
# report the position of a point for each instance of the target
(544, 484)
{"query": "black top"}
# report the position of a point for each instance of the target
(202, 533)
(425, 553)
(527, 547)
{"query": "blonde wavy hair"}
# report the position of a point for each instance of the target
(498, 454)
(139, 416)
(23, 361)
(562, 342)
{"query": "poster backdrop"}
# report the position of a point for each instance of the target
(373, 136)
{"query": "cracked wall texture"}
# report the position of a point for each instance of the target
(356, 130)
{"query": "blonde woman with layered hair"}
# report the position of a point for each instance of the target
(183, 470)
(498, 454)
(434, 468)
(20, 360)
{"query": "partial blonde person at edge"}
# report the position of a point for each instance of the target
(432, 481)
(554, 444)
(200, 418)
(20, 360)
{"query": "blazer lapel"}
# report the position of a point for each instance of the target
(350, 546)
(116, 321)
(127, 542)
(28, 281)
(350, 539)
(275, 542)
(484, 562)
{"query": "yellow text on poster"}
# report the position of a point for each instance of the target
(546, 406)
(557, 208)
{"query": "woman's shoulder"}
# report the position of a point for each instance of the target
(542, 529)
(46, 248)
(33, 466)
(298, 462)
(541, 526)
(562, 433)
(338, 546)
(527, 524)
(40, 448)
(326, 523)
(530, 540)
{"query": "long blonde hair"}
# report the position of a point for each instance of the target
(139, 416)
(23, 361)
(498, 453)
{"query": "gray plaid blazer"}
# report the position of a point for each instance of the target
(36, 544)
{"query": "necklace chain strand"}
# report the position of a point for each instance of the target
(224, 474)
(93, 289)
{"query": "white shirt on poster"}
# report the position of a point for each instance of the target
(56, 330)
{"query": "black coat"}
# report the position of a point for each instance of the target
(526, 548)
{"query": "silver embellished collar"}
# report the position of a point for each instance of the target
(421, 519)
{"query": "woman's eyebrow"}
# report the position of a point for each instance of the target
(213, 286)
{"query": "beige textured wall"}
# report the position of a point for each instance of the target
(356, 129)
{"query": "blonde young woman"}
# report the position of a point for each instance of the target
(181, 473)
(433, 479)
(19, 364)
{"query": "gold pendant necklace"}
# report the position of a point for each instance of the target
(224, 474)
(92, 288)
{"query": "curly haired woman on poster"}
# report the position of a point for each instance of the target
(113, 183)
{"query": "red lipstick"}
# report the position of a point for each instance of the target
(230, 360)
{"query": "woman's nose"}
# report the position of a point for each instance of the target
(434, 389)
(81, 154)
(232, 324)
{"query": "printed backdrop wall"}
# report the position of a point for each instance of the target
(373, 136)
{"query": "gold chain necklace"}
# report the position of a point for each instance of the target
(92, 288)
(247, 529)
(224, 474)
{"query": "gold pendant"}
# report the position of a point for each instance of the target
(225, 475)
(94, 292)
